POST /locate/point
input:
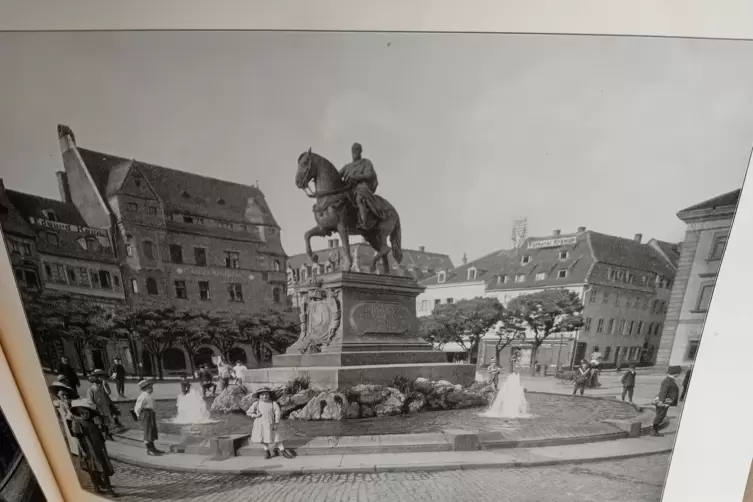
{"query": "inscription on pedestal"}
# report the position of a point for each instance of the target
(381, 317)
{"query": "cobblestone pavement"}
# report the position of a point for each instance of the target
(638, 480)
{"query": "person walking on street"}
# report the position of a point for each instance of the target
(686, 384)
(119, 375)
(669, 394)
(65, 369)
(628, 383)
(582, 377)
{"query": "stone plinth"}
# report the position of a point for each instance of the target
(359, 328)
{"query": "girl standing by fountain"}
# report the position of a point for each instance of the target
(582, 377)
(144, 410)
(267, 414)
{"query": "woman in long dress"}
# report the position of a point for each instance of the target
(267, 415)
(93, 456)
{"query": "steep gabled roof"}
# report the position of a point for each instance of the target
(670, 250)
(628, 253)
(33, 205)
(486, 266)
(728, 199)
(182, 192)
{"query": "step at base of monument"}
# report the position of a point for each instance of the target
(344, 377)
(336, 359)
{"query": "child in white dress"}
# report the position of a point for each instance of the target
(267, 415)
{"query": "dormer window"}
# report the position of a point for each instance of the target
(472, 274)
(441, 277)
(185, 194)
(563, 255)
(501, 279)
(561, 274)
(525, 260)
(50, 214)
(221, 201)
(520, 278)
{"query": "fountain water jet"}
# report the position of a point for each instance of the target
(192, 409)
(510, 401)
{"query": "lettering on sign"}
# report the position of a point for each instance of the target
(381, 317)
(222, 273)
(552, 243)
(68, 228)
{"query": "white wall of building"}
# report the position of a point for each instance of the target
(456, 291)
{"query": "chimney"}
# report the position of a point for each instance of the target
(65, 191)
(581, 229)
(638, 237)
(66, 138)
(422, 248)
(556, 233)
(465, 259)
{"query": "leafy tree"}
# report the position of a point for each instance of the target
(464, 322)
(188, 327)
(150, 325)
(508, 330)
(547, 312)
(269, 331)
(223, 330)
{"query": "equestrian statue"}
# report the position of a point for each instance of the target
(346, 203)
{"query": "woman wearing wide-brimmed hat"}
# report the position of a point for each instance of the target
(62, 396)
(144, 410)
(93, 456)
(267, 414)
(97, 396)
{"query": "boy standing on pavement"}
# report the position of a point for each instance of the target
(669, 394)
(628, 383)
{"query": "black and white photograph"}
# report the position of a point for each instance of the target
(369, 266)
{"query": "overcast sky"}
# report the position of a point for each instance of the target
(467, 132)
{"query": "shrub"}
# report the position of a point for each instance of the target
(297, 384)
(404, 384)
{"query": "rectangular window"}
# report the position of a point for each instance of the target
(148, 249)
(616, 299)
(424, 305)
(71, 274)
(654, 304)
(561, 274)
(658, 329)
(605, 299)
(151, 210)
(95, 278)
(650, 330)
(235, 290)
(592, 296)
(134, 286)
(116, 280)
(587, 324)
(630, 327)
(232, 259)
(607, 353)
(520, 278)
(563, 255)
(525, 260)
(129, 250)
(437, 302)
(502, 279)
(200, 256)
(180, 290)
(176, 253)
(704, 298)
(132, 206)
(621, 327)
(717, 247)
(83, 278)
(105, 280)
(541, 276)
(610, 326)
(450, 300)
(59, 273)
(639, 329)
(611, 273)
(204, 290)
(226, 226)
(692, 349)
(600, 326)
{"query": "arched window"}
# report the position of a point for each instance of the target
(277, 266)
(276, 295)
(237, 354)
(134, 286)
(148, 248)
(174, 360)
(204, 356)
(151, 286)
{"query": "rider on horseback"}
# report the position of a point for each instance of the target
(362, 178)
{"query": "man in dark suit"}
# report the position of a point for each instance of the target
(669, 394)
(686, 384)
(119, 375)
(65, 369)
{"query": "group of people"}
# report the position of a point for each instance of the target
(89, 421)
(225, 374)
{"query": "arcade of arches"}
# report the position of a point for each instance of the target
(175, 360)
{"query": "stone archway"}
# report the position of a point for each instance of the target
(174, 360)
(204, 355)
(238, 354)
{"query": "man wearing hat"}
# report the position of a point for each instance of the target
(119, 375)
(93, 455)
(362, 177)
(66, 370)
(669, 394)
(144, 410)
(97, 396)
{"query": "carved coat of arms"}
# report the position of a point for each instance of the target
(320, 319)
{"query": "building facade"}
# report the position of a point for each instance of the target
(708, 227)
(133, 232)
(418, 264)
(624, 285)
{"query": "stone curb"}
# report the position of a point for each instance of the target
(449, 466)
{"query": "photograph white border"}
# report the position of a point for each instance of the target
(715, 444)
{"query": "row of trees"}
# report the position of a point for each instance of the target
(156, 328)
(535, 316)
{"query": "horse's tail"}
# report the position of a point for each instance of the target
(395, 238)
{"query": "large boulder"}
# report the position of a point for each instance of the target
(247, 401)
(327, 405)
(229, 400)
(392, 404)
(436, 399)
(294, 402)
(369, 394)
(415, 402)
(459, 399)
(353, 410)
(377, 400)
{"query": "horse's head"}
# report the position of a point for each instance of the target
(306, 171)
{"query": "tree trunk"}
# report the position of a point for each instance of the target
(190, 350)
(158, 357)
(134, 356)
(534, 351)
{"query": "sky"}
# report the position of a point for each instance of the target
(467, 132)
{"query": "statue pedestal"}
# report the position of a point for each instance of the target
(359, 328)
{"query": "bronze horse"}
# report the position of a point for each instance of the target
(335, 211)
